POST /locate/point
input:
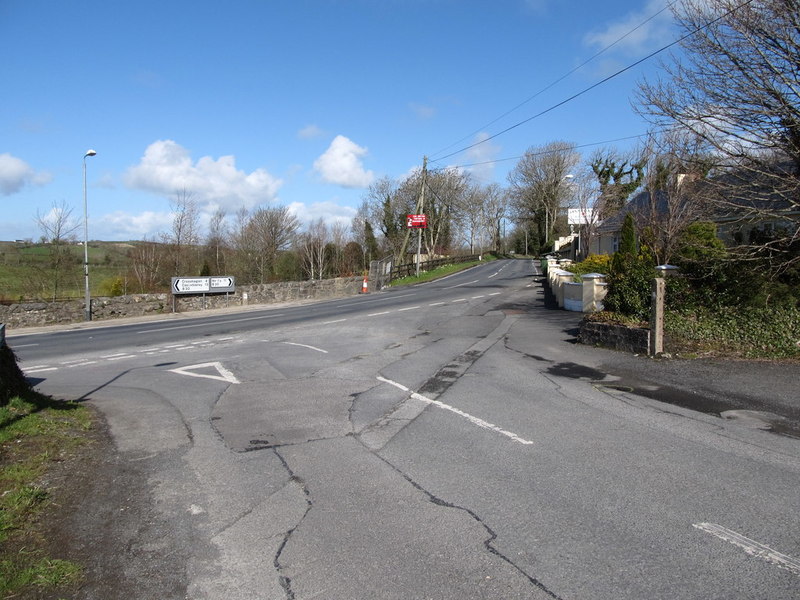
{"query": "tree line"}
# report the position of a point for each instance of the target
(724, 148)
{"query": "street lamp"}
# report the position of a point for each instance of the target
(88, 298)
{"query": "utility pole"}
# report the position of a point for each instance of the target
(418, 210)
(421, 209)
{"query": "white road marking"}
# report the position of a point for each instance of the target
(119, 357)
(206, 324)
(436, 304)
(461, 284)
(495, 293)
(115, 355)
(83, 364)
(336, 321)
(307, 346)
(409, 308)
(24, 345)
(459, 300)
(751, 547)
(41, 370)
(386, 312)
(474, 420)
(224, 374)
(476, 297)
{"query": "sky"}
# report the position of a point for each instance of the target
(303, 104)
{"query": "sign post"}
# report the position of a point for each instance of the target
(419, 222)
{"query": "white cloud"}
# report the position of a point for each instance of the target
(330, 212)
(341, 164)
(167, 168)
(422, 111)
(125, 226)
(481, 157)
(639, 35)
(310, 132)
(15, 174)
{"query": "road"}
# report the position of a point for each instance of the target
(444, 441)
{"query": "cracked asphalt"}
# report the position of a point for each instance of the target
(463, 448)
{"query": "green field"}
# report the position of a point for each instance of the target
(27, 270)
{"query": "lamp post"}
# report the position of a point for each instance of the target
(88, 298)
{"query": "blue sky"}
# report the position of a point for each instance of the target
(301, 103)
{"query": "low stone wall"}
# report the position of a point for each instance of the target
(33, 314)
(618, 337)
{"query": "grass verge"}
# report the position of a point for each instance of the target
(36, 433)
(437, 273)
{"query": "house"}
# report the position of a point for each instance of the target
(739, 203)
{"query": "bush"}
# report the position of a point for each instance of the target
(114, 286)
(594, 263)
(748, 332)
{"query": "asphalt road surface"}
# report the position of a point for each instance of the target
(446, 441)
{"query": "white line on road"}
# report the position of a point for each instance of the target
(307, 346)
(751, 547)
(474, 420)
(386, 312)
(83, 364)
(436, 304)
(114, 355)
(24, 345)
(332, 322)
(495, 293)
(461, 284)
(459, 300)
(42, 370)
(408, 308)
(216, 323)
(118, 357)
(476, 297)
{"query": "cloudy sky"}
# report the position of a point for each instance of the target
(253, 103)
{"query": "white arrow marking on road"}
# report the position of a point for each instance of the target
(224, 374)
(751, 547)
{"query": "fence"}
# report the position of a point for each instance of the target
(382, 272)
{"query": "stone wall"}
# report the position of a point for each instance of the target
(628, 339)
(32, 314)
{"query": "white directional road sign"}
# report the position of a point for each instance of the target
(190, 285)
(222, 284)
(202, 285)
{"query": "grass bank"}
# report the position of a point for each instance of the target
(36, 434)
(439, 272)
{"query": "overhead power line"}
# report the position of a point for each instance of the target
(560, 79)
(598, 83)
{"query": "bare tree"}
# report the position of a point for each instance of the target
(539, 186)
(312, 245)
(183, 238)
(57, 228)
(676, 167)
(215, 241)
(146, 263)
(619, 175)
(737, 86)
(495, 210)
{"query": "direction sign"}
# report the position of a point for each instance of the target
(416, 221)
(221, 282)
(203, 285)
(190, 285)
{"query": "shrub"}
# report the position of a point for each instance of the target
(114, 286)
